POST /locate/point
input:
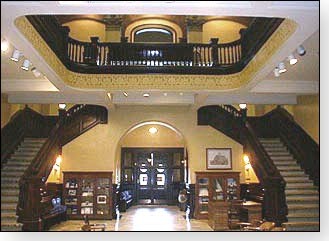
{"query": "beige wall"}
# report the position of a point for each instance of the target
(84, 29)
(100, 147)
(306, 114)
(226, 30)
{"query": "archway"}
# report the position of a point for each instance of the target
(153, 163)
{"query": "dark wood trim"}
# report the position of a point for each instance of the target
(135, 58)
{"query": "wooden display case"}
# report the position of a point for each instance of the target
(215, 188)
(88, 193)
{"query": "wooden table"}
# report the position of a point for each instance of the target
(254, 211)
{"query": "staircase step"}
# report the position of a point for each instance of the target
(302, 199)
(307, 185)
(20, 157)
(11, 226)
(9, 192)
(282, 158)
(13, 163)
(297, 179)
(293, 174)
(9, 199)
(9, 173)
(301, 192)
(303, 217)
(275, 148)
(8, 215)
(15, 168)
(285, 163)
(34, 140)
(288, 168)
(8, 206)
(278, 153)
(9, 180)
(301, 226)
(269, 140)
(273, 145)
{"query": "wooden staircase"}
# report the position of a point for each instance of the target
(302, 196)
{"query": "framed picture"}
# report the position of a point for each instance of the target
(101, 199)
(72, 192)
(219, 158)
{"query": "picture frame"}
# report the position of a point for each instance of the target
(219, 158)
(101, 199)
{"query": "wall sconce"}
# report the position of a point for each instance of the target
(242, 106)
(247, 166)
(57, 164)
(153, 130)
(62, 106)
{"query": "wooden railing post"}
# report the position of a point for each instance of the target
(214, 51)
(94, 50)
(243, 42)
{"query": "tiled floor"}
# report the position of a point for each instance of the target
(144, 218)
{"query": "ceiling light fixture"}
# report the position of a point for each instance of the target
(181, 93)
(26, 64)
(153, 130)
(62, 106)
(4, 45)
(276, 72)
(146, 95)
(125, 94)
(301, 50)
(15, 56)
(165, 94)
(243, 106)
(282, 68)
(36, 72)
(292, 59)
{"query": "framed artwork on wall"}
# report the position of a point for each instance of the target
(219, 158)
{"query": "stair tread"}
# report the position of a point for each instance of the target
(303, 206)
(302, 223)
(303, 215)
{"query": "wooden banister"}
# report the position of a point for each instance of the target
(95, 57)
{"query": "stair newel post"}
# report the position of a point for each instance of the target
(214, 51)
(94, 50)
(29, 204)
(275, 207)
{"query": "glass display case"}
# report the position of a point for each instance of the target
(88, 193)
(214, 187)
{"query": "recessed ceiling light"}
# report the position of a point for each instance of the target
(153, 130)
(301, 50)
(181, 93)
(276, 72)
(4, 45)
(125, 94)
(282, 68)
(36, 72)
(165, 94)
(146, 95)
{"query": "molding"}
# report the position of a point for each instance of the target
(287, 86)
(160, 82)
(8, 85)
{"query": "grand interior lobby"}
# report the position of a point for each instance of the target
(160, 116)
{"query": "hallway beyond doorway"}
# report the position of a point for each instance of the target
(144, 218)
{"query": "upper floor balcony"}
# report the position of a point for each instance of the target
(95, 57)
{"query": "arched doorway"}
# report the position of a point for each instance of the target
(153, 163)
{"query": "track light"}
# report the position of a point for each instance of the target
(301, 50)
(4, 45)
(292, 59)
(15, 56)
(125, 94)
(276, 72)
(282, 68)
(26, 64)
(36, 72)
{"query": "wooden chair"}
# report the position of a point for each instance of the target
(92, 227)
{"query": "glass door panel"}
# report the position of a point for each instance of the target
(232, 189)
(217, 188)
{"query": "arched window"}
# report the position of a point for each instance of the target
(153, 34)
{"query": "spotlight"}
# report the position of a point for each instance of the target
(4, 45)
(282, 68)
(36, 72)
(125, 94)
(292, 59)
(301, 50)
(62, 106)
(276, 72)
(243, 106)
(153, 130)
(26, 64)
(146, 95)
(15, 56)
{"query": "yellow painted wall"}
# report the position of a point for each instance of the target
(84, 29)
(194, 37)
(141, 137)
(226, 30)
(113, 35)
(99, 148)
(306, 114)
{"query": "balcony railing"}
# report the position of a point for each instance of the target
(137, 58)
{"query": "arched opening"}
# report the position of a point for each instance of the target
(153, 163)
(153, 34)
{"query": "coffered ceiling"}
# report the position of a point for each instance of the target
(303, 78)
